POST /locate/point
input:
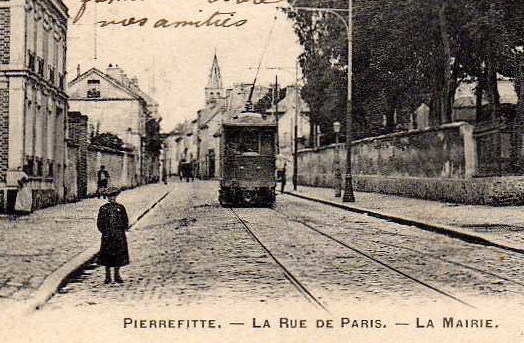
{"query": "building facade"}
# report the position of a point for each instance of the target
(115, 104)
(33, 101)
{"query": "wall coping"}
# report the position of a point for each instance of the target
(109, 150)
(393, 135)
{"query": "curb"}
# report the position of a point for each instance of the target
(437, 228)
(56, 279)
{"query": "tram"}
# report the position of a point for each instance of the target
(247, 157)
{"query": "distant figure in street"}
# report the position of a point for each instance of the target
(164, 176)
(282, 178)
(102, 181)
(113, 223)
(187, 172)
(281, 172)
(24, 197)
(181, 169)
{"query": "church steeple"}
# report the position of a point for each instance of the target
(215, 77)
(214, 88)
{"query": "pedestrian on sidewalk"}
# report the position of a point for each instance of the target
(113, 223)
(24, 197)
(102, 181)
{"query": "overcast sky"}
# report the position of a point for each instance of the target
(173, 64)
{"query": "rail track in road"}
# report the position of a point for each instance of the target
(289, 276)
(422, 253)
(431, 227)
(308, 294)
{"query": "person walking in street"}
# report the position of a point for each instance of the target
(164, 175)
(181, 169)
(113, 223)
(102, 181)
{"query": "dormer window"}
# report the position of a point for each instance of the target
(93, 88)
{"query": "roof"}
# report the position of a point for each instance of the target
(248, 119)
(465, 94)
(133, 92)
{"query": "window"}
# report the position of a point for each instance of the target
(50, 168)
(52, 75)
(31, 64)
(93, 90)
(40, 65)
(28, 165)
(61, 81)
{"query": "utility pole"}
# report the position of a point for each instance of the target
(295, 141)
(349, 195)
(276, 97)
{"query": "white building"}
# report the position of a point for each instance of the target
(115, 104)
(33, 102)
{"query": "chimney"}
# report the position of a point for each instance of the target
(134, 82)
(116, 72)
(77, 70)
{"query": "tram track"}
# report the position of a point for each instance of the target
(369, 256)
(432, 256)
(431, 227)
(359, 251)
(308, 295)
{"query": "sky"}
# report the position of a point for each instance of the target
(173, 63)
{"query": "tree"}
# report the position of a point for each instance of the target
(108, 140)
(406, 52)
(266, 102)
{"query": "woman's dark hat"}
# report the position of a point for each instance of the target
(112, 191)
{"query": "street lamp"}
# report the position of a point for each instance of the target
(336, 162)
(349, 196)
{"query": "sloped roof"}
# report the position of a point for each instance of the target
(465, 94)
(136, 93)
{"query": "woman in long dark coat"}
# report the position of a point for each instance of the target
(113, 223)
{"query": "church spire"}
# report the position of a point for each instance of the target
(214, 89)
(215, 77)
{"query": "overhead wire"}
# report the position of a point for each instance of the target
(262, 55)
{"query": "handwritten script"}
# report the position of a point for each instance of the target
(215, 18)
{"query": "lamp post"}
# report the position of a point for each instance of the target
(349, 196)
(336, 162)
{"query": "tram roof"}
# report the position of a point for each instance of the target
(249, 119)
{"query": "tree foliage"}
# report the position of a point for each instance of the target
(108, 140)
(406, 52)
(266, 102)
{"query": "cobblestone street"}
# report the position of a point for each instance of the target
(190, 251)
(32, 247)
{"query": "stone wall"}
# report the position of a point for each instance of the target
(121, 166)
(434, 163)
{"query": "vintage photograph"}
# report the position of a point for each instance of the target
(261, 171)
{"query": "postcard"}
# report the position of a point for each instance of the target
(261, 171)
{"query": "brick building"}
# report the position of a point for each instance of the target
(33, 102)
(77, 144)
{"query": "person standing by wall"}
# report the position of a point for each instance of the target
(24, 197)
(113, 224)
(102, 181)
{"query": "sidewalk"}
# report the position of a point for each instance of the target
(33, 247)
(499, 225)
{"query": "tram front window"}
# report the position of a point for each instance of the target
(248, 143)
